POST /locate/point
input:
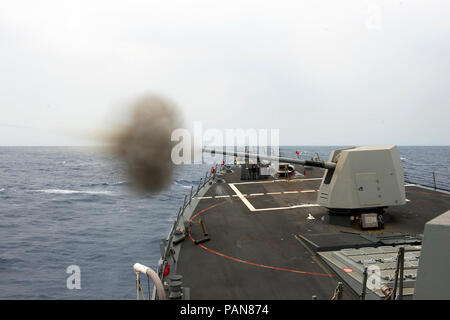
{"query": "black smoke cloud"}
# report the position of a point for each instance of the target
(144, 142)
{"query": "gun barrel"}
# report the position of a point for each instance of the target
(320, 164)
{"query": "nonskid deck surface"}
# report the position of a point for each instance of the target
(256, 254)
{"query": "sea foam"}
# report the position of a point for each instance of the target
(63, 191)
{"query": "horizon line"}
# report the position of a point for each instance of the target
(284, 145)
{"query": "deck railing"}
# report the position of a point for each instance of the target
(157, 277)
(435, 185)
(187, 201)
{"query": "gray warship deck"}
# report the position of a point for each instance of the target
(256, 226)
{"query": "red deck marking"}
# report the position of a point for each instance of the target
(210, 207)
(347, 270)
(244, 261)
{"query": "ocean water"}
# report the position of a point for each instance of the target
(419, 162)
(63, 206)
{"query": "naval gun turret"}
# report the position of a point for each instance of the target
(358, 182)
(364, 177)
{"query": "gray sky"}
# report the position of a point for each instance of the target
(323, 72)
